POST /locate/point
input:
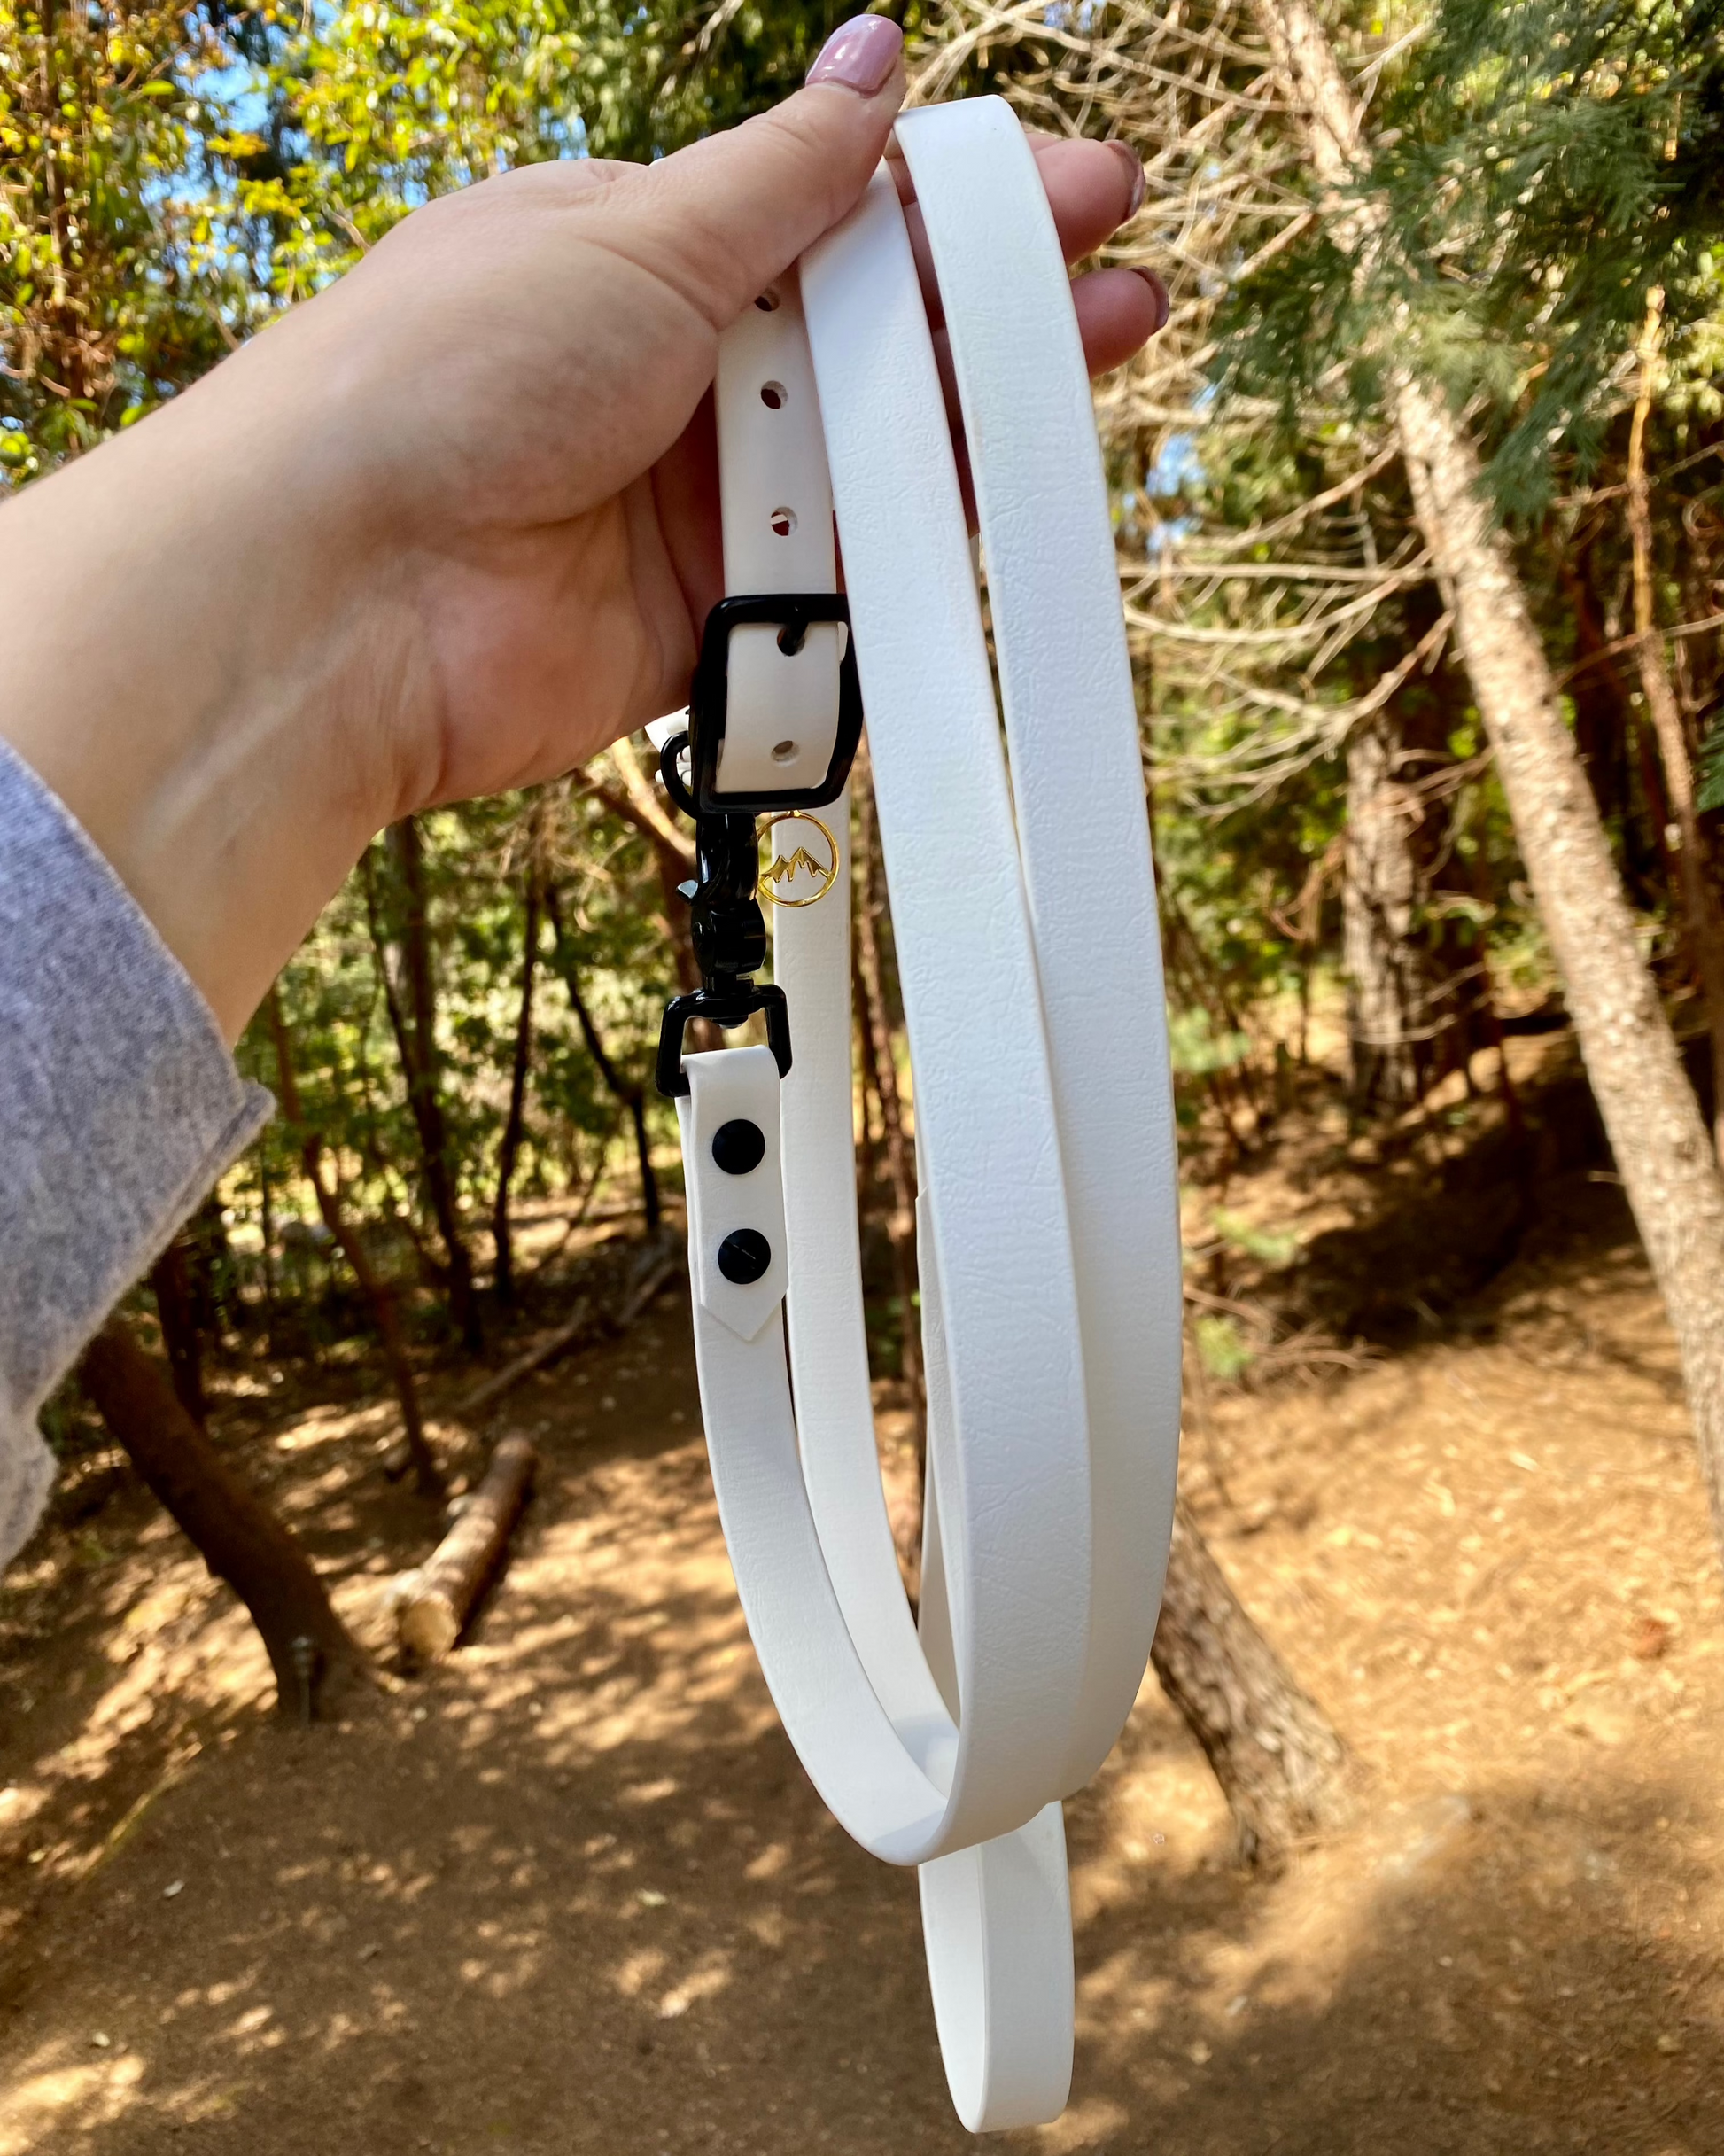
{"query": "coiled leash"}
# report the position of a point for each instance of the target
(1025, 926)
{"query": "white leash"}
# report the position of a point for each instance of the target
(1029, 962)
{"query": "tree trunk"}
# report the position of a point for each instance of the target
(209, 1266)
(417, 1042)
(432, 1603)
(1387, 1023)
(867, 1165)
(266, 1224)
(1282, 1768)
(427, 1474)
(169, 1277)
(1660, 1144)
(234, 1531)
(632, 1097)
(878, 1018)
(516, 1122)
(1669, 1170)
(1229, 1084)
(1700, 909)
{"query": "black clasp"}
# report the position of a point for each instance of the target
(730, 946)
(792, 613)
(729, 929)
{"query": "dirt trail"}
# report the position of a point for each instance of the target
(572, 1893)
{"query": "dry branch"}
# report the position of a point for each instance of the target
(432, 1603)
(1201, 102)
(587, 1322)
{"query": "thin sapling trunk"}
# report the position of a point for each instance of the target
(375, 1291)
(895, 1142)
(1700, 909)
(414, 1022)
(515, 1125)
(631, 1096)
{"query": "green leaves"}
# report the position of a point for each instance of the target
(120, 278)
(388, 106)
(1534, 168)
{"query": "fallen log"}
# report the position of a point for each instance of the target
(432, 1603)
(586, 1323)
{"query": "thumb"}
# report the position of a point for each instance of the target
(720, 220)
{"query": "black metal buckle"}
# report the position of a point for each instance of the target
(794, 612)
(729, 932)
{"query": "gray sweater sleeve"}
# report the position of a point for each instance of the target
(120, 1106)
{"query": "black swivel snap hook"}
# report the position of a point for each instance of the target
(729, 934)
(728, 926)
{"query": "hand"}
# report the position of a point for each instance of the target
(447, 528)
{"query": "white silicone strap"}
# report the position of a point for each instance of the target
(1028, 954)
(778, 537)
(1071, 725)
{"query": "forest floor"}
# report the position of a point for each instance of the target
(571, 1891)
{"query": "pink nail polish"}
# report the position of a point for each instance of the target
(1163, 305)
(860, 54)
(1134, 166)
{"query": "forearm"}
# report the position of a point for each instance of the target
(205, 670)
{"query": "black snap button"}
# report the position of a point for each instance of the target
(745, 1253)
(739, 1146)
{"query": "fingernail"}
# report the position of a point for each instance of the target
(1163, 305)
(1134, 166)
(860, 53)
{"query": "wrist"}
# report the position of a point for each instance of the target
(213, 672)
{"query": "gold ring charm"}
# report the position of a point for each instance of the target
(800, 867)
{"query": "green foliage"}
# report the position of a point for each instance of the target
(1227, 1354)
(386, 106)
(1198, 1049)
(1534, 168)
(172, 174)
(122, 272)
(1267, 1247)
(1711, 786)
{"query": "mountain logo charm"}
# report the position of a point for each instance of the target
(802, 875)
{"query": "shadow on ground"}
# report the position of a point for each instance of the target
(572, 1893)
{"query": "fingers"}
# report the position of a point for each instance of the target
(1092, 189)
(720, 220)
(1118, 312)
